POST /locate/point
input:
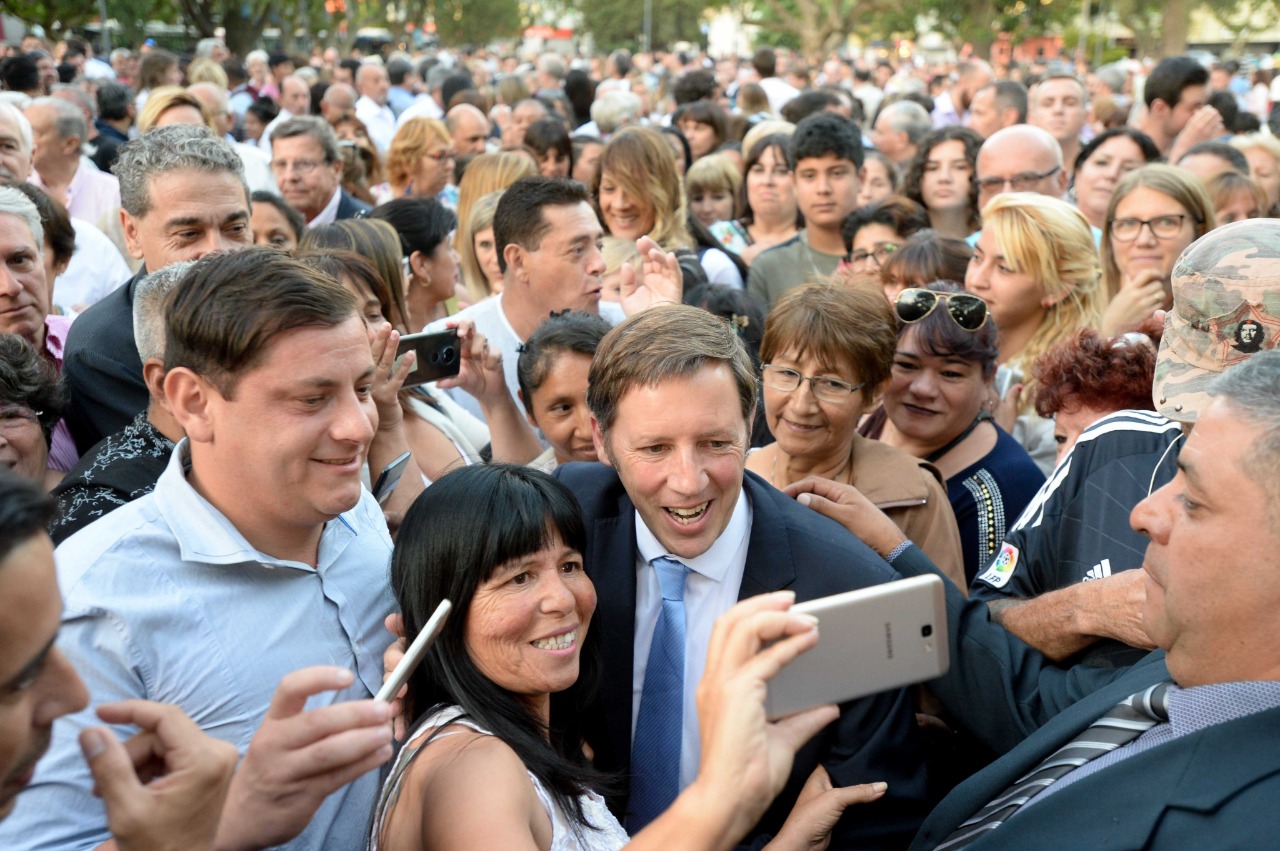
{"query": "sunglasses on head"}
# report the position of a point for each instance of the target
(966, 310)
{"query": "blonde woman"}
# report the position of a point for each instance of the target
(478, 255)
(1154, 214)
(638, 193)
(1036, 267)
(420, 162)
(1262, 150)
(485, 174)
(172, 105)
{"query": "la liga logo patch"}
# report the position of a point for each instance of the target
(997, 575)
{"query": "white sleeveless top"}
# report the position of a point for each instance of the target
(610, 836)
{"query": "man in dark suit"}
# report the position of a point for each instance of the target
(672, 392)
(1204, 771)
(307, 166)
(182, 196)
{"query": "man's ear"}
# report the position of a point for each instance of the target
(153, 376)
(1159, 107)
(597, 437)
(515, 258)
(131, 239)
(191, 399)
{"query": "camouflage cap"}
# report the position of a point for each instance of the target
(1226, 307)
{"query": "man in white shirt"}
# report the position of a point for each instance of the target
(548, 241)
(295, 100)
(372, 109)
(779, 92)
(59, 133)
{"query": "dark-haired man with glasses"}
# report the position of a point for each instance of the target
(307, 166)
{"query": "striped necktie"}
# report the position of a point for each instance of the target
(655, 750)
(1132, 717)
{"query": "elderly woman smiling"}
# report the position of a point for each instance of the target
(492, 761)
(827, 354)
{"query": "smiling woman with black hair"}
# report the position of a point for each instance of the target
(495, 757)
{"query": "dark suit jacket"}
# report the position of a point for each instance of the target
(793, 548)
(350, 207)
(1215, 788)
(102, 370)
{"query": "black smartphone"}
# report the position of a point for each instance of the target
(437, 356)
(390, 477)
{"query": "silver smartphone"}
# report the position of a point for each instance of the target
(870, 641)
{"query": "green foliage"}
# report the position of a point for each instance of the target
(477, 22)
(620, 23)
(979, 21)
(56, 16)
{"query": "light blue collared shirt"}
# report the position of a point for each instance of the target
(711, 589)
(165, 600)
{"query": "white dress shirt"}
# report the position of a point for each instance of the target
(380, 121)
(710, 590)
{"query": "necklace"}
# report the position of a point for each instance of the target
(958, 439)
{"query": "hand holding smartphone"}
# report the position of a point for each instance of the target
(870, 640)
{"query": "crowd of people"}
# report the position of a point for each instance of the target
(730, 334)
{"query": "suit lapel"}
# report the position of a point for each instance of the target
(611, 566)
(1124, 805)
(770, 564)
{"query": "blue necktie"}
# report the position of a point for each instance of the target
(655, 750)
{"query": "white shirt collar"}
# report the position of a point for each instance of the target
(715, 562)
(329, 214)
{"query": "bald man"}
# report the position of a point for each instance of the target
(339, 98)
(257, 165)
(372, 109)
(952, 107)
(1021, 158)
(469, 128)
(295, 100)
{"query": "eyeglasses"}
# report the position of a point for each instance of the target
(1018, 183)
(302, 167)
(966, 310)
(441, 156)
(824, 389)
(1163, 227)
(881, 254)
(15, 418)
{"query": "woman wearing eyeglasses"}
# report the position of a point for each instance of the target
(937, 408)
(826, 356)
(1036, 267)
(873, 233)
(1155, 213)
(420, 162)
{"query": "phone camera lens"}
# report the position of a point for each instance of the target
(447, 354)
(926, 630)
